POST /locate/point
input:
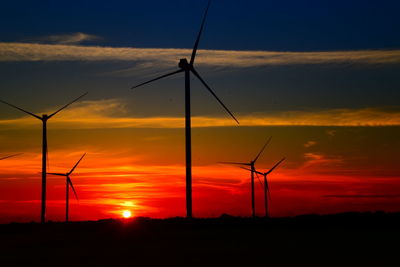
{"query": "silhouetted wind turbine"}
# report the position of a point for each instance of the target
(10, 156)
(253, 170)
(187, 68)
(267, 193)
(68, 183)
(44, 119)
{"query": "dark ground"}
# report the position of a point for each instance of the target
(349, 239)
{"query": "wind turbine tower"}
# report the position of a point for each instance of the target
(267, 194)
(187, 68)
(68, 183)
(251, 164)
(44, 118)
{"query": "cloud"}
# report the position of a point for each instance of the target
(320, 160)
(331, 133)
(331, 117)
(113, 113)
(72, 38)
(310, 144)
(362, 196)
(14, 52)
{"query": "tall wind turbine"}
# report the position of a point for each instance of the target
(267, 193)
(44, 118)
(187, 68)
(10, 156)
(68, 183)
(253, 170)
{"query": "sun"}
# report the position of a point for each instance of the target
(126, 214)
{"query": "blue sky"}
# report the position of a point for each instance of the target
(243, 25)
(338, 79)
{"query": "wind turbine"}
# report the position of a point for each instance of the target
(267, 194)
(68, 183)
(253, 170)
(187, 68)
(44, 118)
(10, 156)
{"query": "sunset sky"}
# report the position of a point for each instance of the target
(320, 77)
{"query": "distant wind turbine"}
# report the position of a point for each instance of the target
(44, 119)
(68, 183)
(10, 156)
(187, 68)
(267, 193)
(253, 170)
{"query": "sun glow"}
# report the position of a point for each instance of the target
(126, 214)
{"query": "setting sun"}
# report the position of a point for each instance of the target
(126, 214)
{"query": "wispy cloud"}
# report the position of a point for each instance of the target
(316, 160)
(112, 113)
(362, 196)
(331, 133)
(71, 38)
(169, 56)
(310, 144)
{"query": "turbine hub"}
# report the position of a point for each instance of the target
(184, 64)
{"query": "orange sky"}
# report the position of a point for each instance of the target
(328, 169)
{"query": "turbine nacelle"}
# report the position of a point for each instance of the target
(184, 64)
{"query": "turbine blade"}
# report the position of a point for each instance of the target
(269, 139)
(245, 168)
(10, 156)
(58, 174)
(76, 99)
(158, 78)
(236, 163)
(23, 110)
(76, 164)
(255, 171)
(72, 186)
(276, 165)
(211, 91)
(196, 44)
(258, 179)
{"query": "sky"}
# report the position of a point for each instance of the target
(320, 77)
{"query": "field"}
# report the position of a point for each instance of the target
(349, 239)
